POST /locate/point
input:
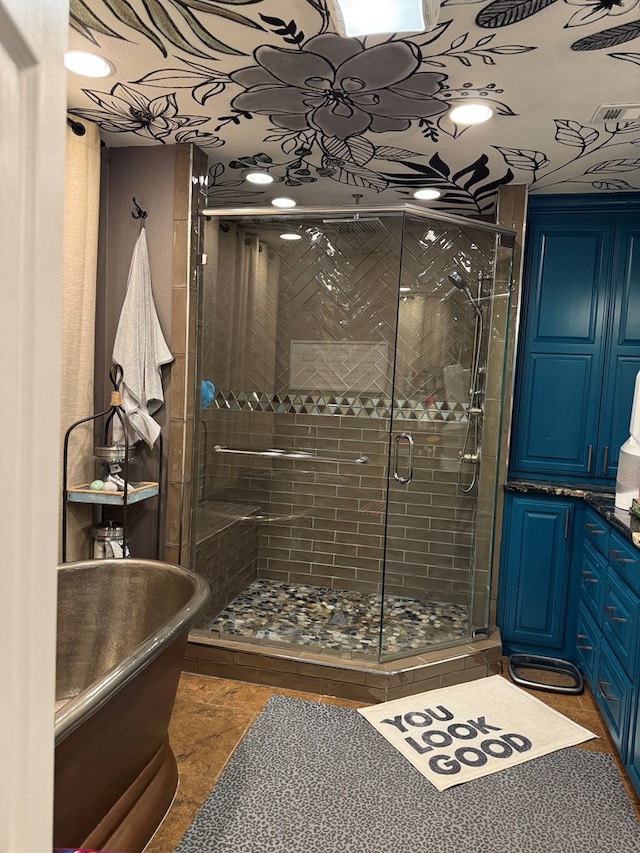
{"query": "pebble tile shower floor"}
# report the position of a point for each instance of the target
(337, 620)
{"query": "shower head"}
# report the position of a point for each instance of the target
(458, 280)
(347, 225)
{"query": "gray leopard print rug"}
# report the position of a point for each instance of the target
(314, 778)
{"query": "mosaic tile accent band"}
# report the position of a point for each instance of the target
(333, 404)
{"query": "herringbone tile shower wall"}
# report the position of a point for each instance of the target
(318, 319)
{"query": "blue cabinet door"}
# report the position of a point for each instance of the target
(534, 573)
(557, 400)
(633, 758)
(623, 356)
(587, 638)
(613, 694)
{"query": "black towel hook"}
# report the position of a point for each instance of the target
(139, 213)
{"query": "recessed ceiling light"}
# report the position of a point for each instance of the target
(291, 236)
(470, 113)
(87, 64)
(283, 202)
(427, 195)
(259, 178)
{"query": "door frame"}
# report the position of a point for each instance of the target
(33, 37)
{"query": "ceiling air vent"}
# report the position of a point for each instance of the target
(617, 112)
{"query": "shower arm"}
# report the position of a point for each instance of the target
(275, 453)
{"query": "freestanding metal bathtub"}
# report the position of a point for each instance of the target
(122, 633)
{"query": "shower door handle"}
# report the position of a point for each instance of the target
(403, 436)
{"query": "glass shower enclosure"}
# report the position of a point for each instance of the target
(351, 370)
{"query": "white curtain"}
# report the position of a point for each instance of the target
(81, 203)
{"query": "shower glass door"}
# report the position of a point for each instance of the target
(297, 353)
(346, 360)
(452, 331)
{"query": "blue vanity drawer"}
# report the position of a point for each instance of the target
(587, 644)
(620, 619)
(592, 574)
(596, 531)
(625, 558)
(613, 695)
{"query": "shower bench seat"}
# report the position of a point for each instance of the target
(226, 552)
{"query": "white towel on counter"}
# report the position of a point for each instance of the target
(140, 349)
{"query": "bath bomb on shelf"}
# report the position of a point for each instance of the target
(109, 486)
(96, 485)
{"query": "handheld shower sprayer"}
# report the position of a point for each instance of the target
(461, 283)
(470, 452)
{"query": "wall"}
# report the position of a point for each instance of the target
(511, 213)
(189, 263)
(149, 174)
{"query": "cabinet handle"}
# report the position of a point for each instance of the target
(593, 528)
(589, 457)
(582, 645)
(586, 575)
(609, 608)
(614, 556)
(603, 692)
(566, 523)
(605, 460)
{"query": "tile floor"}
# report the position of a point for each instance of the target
(337, 620)
(212, 714)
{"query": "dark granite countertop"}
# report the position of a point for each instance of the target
(602, 501)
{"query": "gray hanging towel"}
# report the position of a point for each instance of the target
(140, 349)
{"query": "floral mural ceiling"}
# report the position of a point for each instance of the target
(269, 84)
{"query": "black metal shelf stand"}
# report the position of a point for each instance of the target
(105, 499)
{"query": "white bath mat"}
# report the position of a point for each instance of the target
(459, 733)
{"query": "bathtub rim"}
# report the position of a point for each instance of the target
(71, 715)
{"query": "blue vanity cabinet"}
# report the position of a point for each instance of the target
(633, 757)
(592, 569)
(623, 356)
(613, 693)
(534, 573)
(596, 532)
(592, 580)
(579, 349)
(623, 625)
(620, 609)
(607, 630)
(588, 638)
(560, 366)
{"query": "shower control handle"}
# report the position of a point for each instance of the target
(403, 436)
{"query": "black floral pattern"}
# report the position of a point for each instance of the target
(590, 11)
(123, 110)
(503, 13)
(586, 141)
(161, 23)
(339, 87)
(365, 115)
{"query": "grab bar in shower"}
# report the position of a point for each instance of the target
(274, 453)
